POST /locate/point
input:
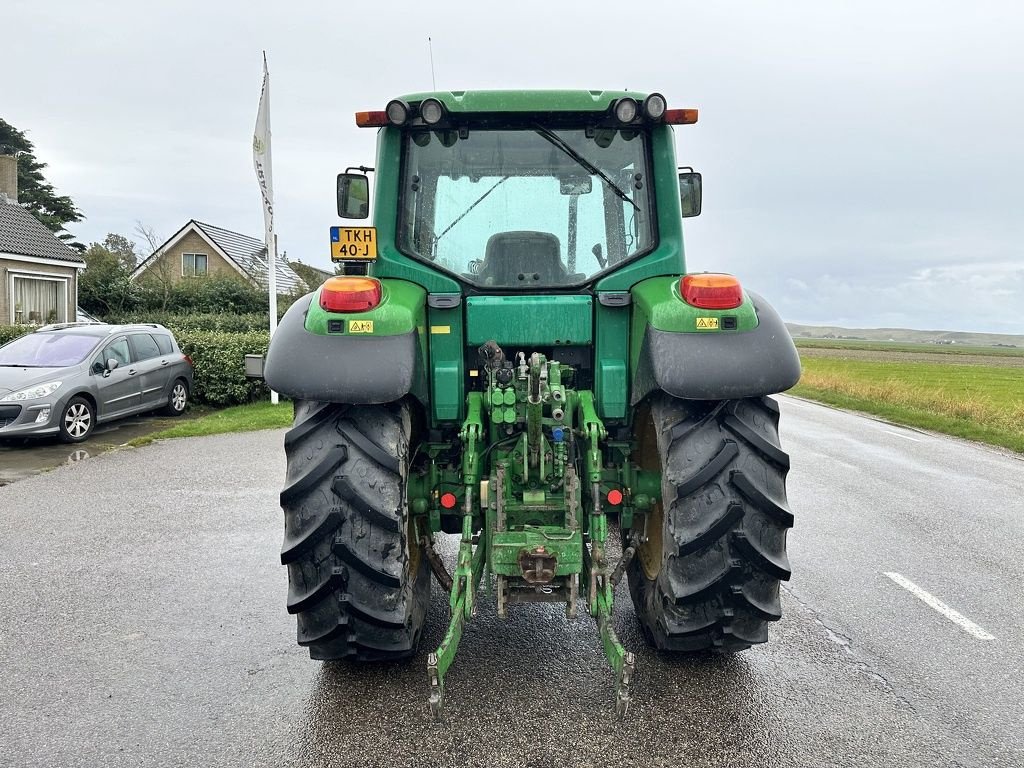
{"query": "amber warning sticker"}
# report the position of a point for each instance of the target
(360, 326)
(707, 323)
(358, 243)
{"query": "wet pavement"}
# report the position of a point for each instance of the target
(142, 623)
(24, 457)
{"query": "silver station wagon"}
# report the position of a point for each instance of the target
(65, 379)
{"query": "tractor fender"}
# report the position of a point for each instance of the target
(719, 366)
(369, 369)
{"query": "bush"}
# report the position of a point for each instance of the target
(219, 360)
(212, 294)
(11, 332)
(186, 323)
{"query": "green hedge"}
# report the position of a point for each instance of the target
(217, 344)
(11, 332)
(219, 360)
(189, 322)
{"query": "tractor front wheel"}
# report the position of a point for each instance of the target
(357, 582)
(710, 555)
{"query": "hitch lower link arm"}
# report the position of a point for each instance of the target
(469, 569)
(600, 584)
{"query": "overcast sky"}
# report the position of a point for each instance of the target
(863, 162)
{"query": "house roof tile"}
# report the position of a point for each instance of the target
(22, 234)
(248, 254)
(251, 255)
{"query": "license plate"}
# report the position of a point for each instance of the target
(353, 243)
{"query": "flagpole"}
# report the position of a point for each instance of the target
(263, 164)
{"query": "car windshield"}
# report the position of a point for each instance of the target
(525, 208)
(47, 350)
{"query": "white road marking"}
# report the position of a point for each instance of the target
(933, 602)
(899, 434)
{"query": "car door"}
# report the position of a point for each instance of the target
(118, 391)
(153, 370)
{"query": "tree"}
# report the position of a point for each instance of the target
(311, 276)
(123, 249)
(159, 278)
(106, 286)
(34, 191)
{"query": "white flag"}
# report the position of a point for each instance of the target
(262, 162)
(265, 176)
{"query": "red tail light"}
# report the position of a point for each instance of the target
(711, 291)
(350, 294)
(189, 361)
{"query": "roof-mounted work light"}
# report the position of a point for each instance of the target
(432, 111)
(397, 112)
(626, 110)
(655, 106)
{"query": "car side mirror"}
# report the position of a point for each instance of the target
(353, 196)
(112, 364)
(689, 193)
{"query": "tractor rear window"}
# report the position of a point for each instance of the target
(526, 208)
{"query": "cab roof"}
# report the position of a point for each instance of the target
(525, 101)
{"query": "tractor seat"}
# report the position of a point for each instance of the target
(522, 258)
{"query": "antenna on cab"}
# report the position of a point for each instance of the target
(433, 80)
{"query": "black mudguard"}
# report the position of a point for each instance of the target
(719, 366)
(338, 368)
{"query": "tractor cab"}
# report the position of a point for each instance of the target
(519, 202)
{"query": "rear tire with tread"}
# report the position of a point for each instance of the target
(356, 579)
(708, 579)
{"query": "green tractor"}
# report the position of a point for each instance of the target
(514, 354)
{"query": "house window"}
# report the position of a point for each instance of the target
(193, 264)
(38, 300)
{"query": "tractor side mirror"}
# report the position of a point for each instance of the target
(353, 196)
(689, 192)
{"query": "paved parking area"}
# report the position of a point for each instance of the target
(24, 457)
(143, 623)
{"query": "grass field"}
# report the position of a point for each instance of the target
(240, 418)
(982, 400)
(908, 347)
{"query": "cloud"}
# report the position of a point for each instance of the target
(861, 161)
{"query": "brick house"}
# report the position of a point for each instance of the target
(200, 250)
(38, 272)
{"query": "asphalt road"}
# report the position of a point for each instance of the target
(142, 622)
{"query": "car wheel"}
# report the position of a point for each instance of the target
(77, 420)
(178, 399)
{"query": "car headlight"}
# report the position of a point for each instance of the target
(32, 393)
